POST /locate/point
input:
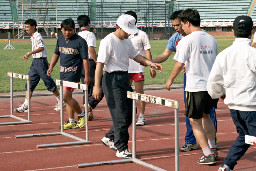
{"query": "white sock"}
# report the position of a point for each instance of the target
(212, 144)
(141, 115)
(58, 99)
(26, 102)
(207, 151)
(82, 114)
(71, 120)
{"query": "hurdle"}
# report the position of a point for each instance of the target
(21, 120)
(151, 99)
(9, 45)
(79, 141)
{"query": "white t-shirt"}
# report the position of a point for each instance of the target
(37, 42)
(115, 53)
(198, 50)
(90, 39)
(141, 43)
(254, 38)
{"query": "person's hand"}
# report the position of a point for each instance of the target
(49, 71)
(87, 80)
(96, 93)
(152, 73)
(184, 70)
(25, 58)
(156, 66)
(168, 84)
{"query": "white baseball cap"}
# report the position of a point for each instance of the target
(127, 23)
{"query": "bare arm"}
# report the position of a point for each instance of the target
(54, 60)
(145, 62)
(163, 56)
(253, 43)
(86, 71)
(98, 75)
(26, 56)
(92, 53)
(175, 72)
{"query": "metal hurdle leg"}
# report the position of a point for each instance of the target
(78, 141)
(151, 99)
(22, 121)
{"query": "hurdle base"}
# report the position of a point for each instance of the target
(22, 121)
(104, 163)
(37, 135)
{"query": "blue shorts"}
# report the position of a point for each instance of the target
(38, 69)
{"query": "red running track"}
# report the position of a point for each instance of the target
(155, 141)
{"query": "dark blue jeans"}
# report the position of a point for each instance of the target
(245, 122)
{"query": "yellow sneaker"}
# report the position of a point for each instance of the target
(81, 122)
(70, 125)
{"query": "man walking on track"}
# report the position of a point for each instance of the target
(114, 53)
(84, 24)
(141, 43)
(73, 53)
(190, 140)
(198, 50)
(39, 66)
(233, 78)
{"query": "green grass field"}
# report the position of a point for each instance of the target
(11, 61)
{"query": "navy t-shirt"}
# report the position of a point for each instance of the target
(71, 52)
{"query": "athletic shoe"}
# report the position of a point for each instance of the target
(206, 159)
(125, 154)
(58, 106)
(141, 121)
(70, 125)
(109, 143)
(224, 168)
(22, 108)
(188, 147)
(81, 121)
(215, 152)
(90, 113)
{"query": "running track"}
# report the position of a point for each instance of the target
(155, 141)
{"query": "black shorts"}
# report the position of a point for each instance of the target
(198, 103)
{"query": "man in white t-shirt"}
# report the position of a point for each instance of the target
(114, 53)
(141, 43)
(198, 50)
(84, 24)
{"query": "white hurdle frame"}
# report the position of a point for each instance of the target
(79, 141)
(22, 121)
(151, 99)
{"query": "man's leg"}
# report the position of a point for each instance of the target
(141, 105)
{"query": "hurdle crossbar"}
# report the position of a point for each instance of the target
(78, 141)
(151, 99)
(21, 120)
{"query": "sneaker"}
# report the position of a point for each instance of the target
(125, 154)
(70, 125)
(141, 121)
(224, 168)
(22, 108)
(109, 143)
(206, 159)
(58, 106)
(81, 121)
(215, 152)
(188, 147)
(90, 113)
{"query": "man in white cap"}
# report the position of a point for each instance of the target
(114, 53)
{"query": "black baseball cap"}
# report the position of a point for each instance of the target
(243, 22)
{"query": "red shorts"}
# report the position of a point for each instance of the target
(137, 76)
(68, 88)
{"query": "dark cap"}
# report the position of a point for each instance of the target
(243, 22)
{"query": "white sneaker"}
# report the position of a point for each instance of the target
(22, 108)
(58, 106)
(125, 154)
(109, 143)
(141, 121)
